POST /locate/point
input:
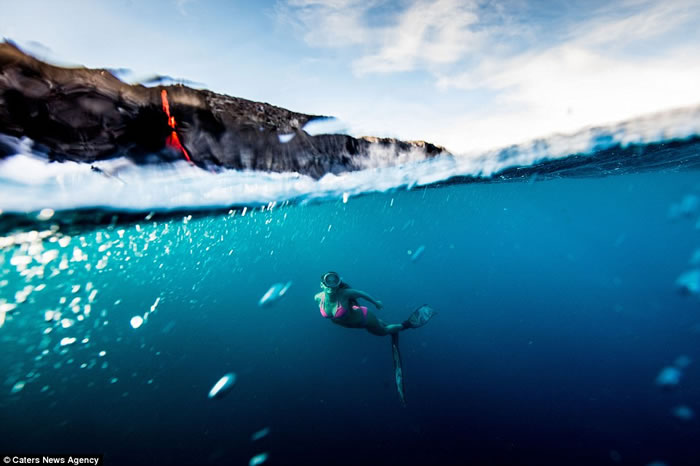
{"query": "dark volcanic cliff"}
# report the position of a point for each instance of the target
(88, 114)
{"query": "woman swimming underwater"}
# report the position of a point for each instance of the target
(338, 302)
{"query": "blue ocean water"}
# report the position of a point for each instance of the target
(557, 305)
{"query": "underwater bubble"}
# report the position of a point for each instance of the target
(274, 293)
(7, 307)
(695, 258)
(223, 386)
(260, 434)
(113, 380)
(63, 265)
(102, 353)
(668, 377)
(21, 295)
(258, 459)
(16, 388)
(45, 214)
(418, 252)
(682, 361)
(155, 304)
(47, 257)
(284, 289)
(689, 204)
(4, 309)
(101, 264)
(269, 295)
(67, 341)
(136, 321)
(689, 282)
(19, 261)
(687, 207)
(683, 412)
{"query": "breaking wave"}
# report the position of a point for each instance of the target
(28, 183)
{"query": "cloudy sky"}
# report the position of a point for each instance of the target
(465, 74)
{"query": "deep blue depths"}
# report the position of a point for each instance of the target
(557, 309)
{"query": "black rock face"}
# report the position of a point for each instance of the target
(86, 115)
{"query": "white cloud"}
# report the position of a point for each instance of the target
(181, 4)
(643, 20)
(617, 62)
(328, 23)
(583, 81)
(427, 33)
(424, 33)
(569, 89)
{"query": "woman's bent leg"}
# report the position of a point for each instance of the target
(379, 327)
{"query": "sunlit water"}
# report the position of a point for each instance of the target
(558, 309)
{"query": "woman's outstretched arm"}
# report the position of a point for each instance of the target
(361, 294)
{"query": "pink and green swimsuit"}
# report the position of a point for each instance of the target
(340, 310)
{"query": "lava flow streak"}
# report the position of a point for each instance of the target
(173, 140)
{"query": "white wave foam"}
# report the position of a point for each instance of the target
(327, 125)
(28, 183)
(381, 156)
(659, 127)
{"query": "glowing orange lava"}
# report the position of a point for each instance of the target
(173, 140)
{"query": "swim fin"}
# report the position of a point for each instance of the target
(419, 317)
(398, 370)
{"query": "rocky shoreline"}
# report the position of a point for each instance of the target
(86, 115)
